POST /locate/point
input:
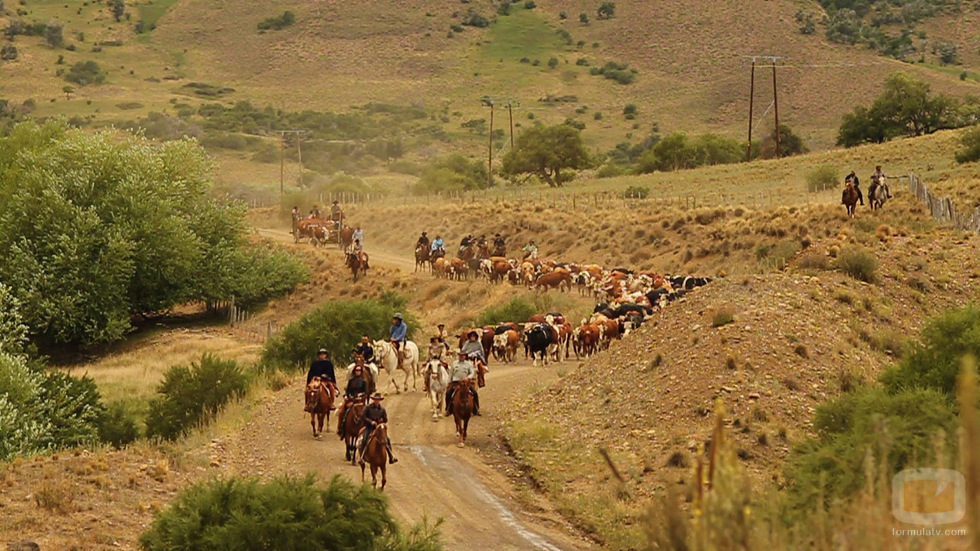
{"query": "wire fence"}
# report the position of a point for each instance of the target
(942, 208)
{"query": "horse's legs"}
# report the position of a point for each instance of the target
(313, 423)
(384, 476)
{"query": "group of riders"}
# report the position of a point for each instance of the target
(470, 360)
(878, 179)
(437, 247)
(336, 219)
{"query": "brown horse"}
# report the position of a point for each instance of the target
(319, 403)
(376, 454)
(348, 430)
(345, 237)
(849, 198)
(462, 409)
(422, 258)
(357, 262)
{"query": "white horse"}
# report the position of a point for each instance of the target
(438, 375)
(388, 359)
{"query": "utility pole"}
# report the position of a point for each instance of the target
(489, 101)
(282, 161)
(748, 153)
(510, 112)
(775, 101)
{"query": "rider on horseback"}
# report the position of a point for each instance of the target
(464, 243)
(499, 245)
(473, 348)
(373, 415)
(398, 335)
(365, 349)
(438, 246)
(462, 369)
(356, 390)
(852, 178)
(322, 367)
(530, 250)
(423, 242)
(878, 179)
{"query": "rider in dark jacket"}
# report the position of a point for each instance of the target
(365, 349)
(322, 367)
(357, 384)
(373, 415)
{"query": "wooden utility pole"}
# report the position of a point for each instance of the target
(748, 153)
(488, 101)
(510, 114)
(282, 150)
(282, 162)
(775, 101)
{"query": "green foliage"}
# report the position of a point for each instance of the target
(190, 396)
(517, 310)
(971, 146)
(474, 19)
(866, 21)
(935, 363)
(619, 72)
(897, 428)
(85, 72)
(904, 108)
(583, 18)
(452, 173)
(54, 34)
(283, 513)
(95, 229)
(553, 62)
(606, 10)
(821, 178)
(530, 5)
(118, 8)
(789, 144)
(8, 52)
(503, 9)
(636, 192)
(278, 22)
(858, 263)
(545, 151)
(118, 426)
(676, 152)
(336, 326)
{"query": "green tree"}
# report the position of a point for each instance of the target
(606, 10)
(583, 18)
(905, 107)
(547, 152)
(452, 173)
(789, 144)
(85, 72)
(971, 146)
(54, 34)
(118, 8)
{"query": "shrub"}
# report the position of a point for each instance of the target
(117, 426)
(283, 513)
(8, 52)
(54, 34)
(530, 5)
(813, 260)
(553, 62)
(452, 173)
(277, 23)
(636, 192)
(606, 10)
(474, 19)
(85, 72)
(858, 263)
(346, 320)
(723, 315)
(971, 146)
(821, 178)
(193, 395)
(517, 310)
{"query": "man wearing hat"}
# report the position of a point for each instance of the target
(399, 332)
(373, 415)
(336, 214)
(462, 369)
(322, 367)
(365, 349)
(423, 242)
(499, 245)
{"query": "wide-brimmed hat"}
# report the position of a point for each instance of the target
(472, 334)
(460, 352)
(377, 396)
(397, 315)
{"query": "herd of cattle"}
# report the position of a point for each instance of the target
(627, 300)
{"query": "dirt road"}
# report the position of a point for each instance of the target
(433, 478)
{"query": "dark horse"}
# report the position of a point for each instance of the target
(319, 402)
(849, 199)
(348, 426)
(462, 408)
(376, 454)
(357, 262)
(422, 257)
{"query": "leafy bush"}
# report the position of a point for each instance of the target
(636, 192)
(277, 23)
(283, 513)
(336, 326)
(821, 178)
(54, 34)
(517, 310)
(144, 234)
(935, 363)
(606, 10)
(474, 19)
(676, 152)
(192, 395)
(8, 52)
(620, 73)
(85, 72)
(971, 146)
(117, 426)
(858, 263)
(452, 173)
(789, 144)
(548, 153)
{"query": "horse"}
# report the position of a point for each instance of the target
(345, 237)
(319, 402)
(422, 257)
(357, 262)
(376, 454)
(349, 430)
(438, 374)
(462, 409)
(877, 195)
(388, 359)
(849, 199)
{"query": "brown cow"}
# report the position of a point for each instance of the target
(586, 340)
(440, 268)
(505, 345)
(498, 270)
(458, 269)
(559, 278)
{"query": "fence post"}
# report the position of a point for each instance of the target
(231, 312)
